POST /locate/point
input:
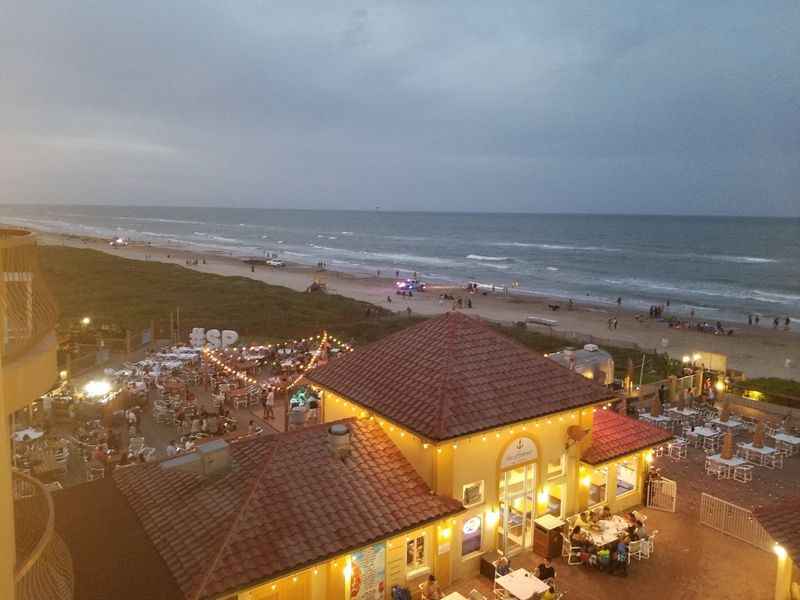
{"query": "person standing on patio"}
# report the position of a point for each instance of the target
(269, 403)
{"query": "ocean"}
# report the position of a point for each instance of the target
(721, 267)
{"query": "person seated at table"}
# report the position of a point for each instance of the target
(641, 531)
(605, 514)
(578, 537)
(604, 558)
(584, 519)
(545, 570)
(620, 562)
(172, 450)
(503, 567)
(594, 518)
(548, 594)
(430, 590)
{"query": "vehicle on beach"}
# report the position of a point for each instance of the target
(409, 285)
(274, 262)
(118, 242)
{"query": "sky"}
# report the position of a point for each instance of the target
(678, 107)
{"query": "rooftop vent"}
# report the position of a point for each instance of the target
(339, 439)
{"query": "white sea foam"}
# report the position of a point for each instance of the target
(552, 268)
(557, 247)
(488, 258)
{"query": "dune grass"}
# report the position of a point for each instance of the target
(133, 293)
(130, 294)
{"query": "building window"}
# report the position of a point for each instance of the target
(473, 494)
(553, 501)
(555, 469)
(626, 476)
(471, 535)
(598, 487)
(416, 553)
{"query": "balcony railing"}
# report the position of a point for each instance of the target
(27, 310)
(43, 563)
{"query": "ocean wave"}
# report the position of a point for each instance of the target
(556, 247)
(346, 233)
(775, 297)
(552, 268)
(488, 258)
(741, 259)
(153, 220)
(391, 257)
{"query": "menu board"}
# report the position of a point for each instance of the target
(368, 577)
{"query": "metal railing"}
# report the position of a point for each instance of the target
(27, 309)
(734, 521)
(43, 566)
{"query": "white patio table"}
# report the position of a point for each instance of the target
(522, 584)
(790, 442)
(757, 454)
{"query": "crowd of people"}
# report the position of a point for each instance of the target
(611, 557)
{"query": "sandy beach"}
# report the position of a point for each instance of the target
(758, 351)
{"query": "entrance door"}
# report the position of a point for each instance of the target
(517, 506)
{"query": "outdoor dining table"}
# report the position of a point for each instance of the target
(790, 442)
(522, 584)
(685, 412)
(30, 432)
(730, 462)
(757, 454)
(705, 432)
(730, 424)
(609, 530)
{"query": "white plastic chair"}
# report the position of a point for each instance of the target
(635, 550)
(743, 473)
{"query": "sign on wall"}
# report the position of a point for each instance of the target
(520, 451)
(368, 577)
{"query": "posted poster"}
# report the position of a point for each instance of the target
(368, 579)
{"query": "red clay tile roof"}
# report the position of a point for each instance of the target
(112, 556)
(453, 375)
(615, 435)
(782, 522)
(287, 503)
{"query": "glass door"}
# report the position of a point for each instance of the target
(517, 506)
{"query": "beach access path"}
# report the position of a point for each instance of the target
(757, 351)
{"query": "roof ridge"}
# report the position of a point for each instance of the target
(235, 521)
(444, 384)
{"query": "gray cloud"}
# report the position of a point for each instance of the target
(530, 106)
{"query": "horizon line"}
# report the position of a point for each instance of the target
(416, 211)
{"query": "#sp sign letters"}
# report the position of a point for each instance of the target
(199, 337)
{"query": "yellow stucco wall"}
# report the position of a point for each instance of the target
(448, 467)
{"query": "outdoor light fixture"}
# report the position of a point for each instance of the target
(85, 321)
(720, 386)
(779, 550)
(63, 375)
(648, 457)
(95, 389)
(687, 359)
(586, 481)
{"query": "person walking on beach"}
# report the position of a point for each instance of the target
(610, 322)
(749, 319)
(786, 323)
(619, 300)
(388, 299)
(469, 305)
(616, 322)
(775, 322)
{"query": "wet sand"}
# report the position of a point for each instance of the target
(758, 351)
